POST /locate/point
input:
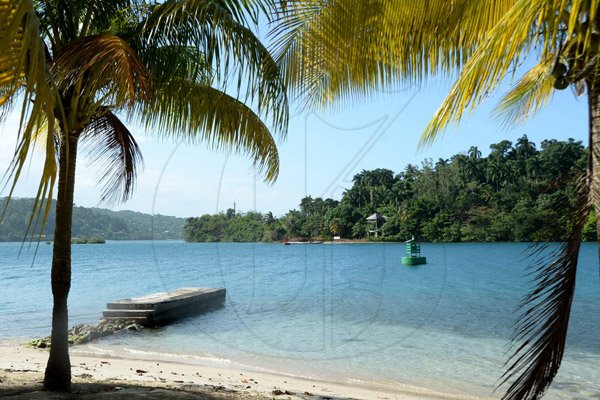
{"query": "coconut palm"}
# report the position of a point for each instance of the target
(341, 50)
(335, 226)
(82, 70)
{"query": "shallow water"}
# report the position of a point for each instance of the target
(342, 311)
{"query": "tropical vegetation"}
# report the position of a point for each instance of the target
(90, 223)
(333, 51)
(516, 193)
(80, 72)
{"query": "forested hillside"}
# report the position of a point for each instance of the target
(92, 222)
(516, 193)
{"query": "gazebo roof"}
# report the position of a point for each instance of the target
(376, 217)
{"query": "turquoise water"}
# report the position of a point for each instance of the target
(343, 311)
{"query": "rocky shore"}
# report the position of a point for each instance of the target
(84, 333)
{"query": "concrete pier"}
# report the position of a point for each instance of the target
(161, 308)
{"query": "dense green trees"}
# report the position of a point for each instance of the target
(92, 222)
(513, 194)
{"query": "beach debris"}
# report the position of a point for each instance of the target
(119, 388)
(140, 371)
(278, 392)
(308, 393)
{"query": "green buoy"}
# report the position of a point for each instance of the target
(413, 253)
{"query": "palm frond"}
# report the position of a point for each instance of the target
(233, 50)
(114, 74)
(542, 328)
(177, 62)
(501, 50)
(23, 73)
(332, 50)
(100, 15)
(237, 10)
(195, 112)
(114, 150)
(551, 28)
(528, 95)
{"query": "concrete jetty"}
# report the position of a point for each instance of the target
(161, 308)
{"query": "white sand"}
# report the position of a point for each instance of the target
(26, 363)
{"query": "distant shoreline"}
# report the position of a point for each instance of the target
(341, 241)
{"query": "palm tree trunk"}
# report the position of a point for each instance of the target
(594, 144)
(58, 370)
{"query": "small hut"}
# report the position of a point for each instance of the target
(376, 221)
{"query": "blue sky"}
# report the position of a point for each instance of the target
(321, 154)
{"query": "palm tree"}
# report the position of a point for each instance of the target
(335, 226)
(525, 148)
(332, 50)
(81, 67)
(474, 153)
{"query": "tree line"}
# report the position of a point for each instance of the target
(90, 223)
(516, 193)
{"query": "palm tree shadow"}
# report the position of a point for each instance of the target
(98, 390)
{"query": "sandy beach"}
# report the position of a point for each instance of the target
(98, 376)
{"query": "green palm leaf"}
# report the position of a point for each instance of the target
(336, 50)
(177, 62)
(236, 54)
(23, 72)
(114, 74)
(529, 95)
(542, 327)
(113, 148)
(195, 112)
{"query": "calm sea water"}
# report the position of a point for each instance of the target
(343, 311)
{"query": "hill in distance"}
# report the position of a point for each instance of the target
(92, 222)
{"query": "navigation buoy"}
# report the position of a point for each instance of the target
(413, 253)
